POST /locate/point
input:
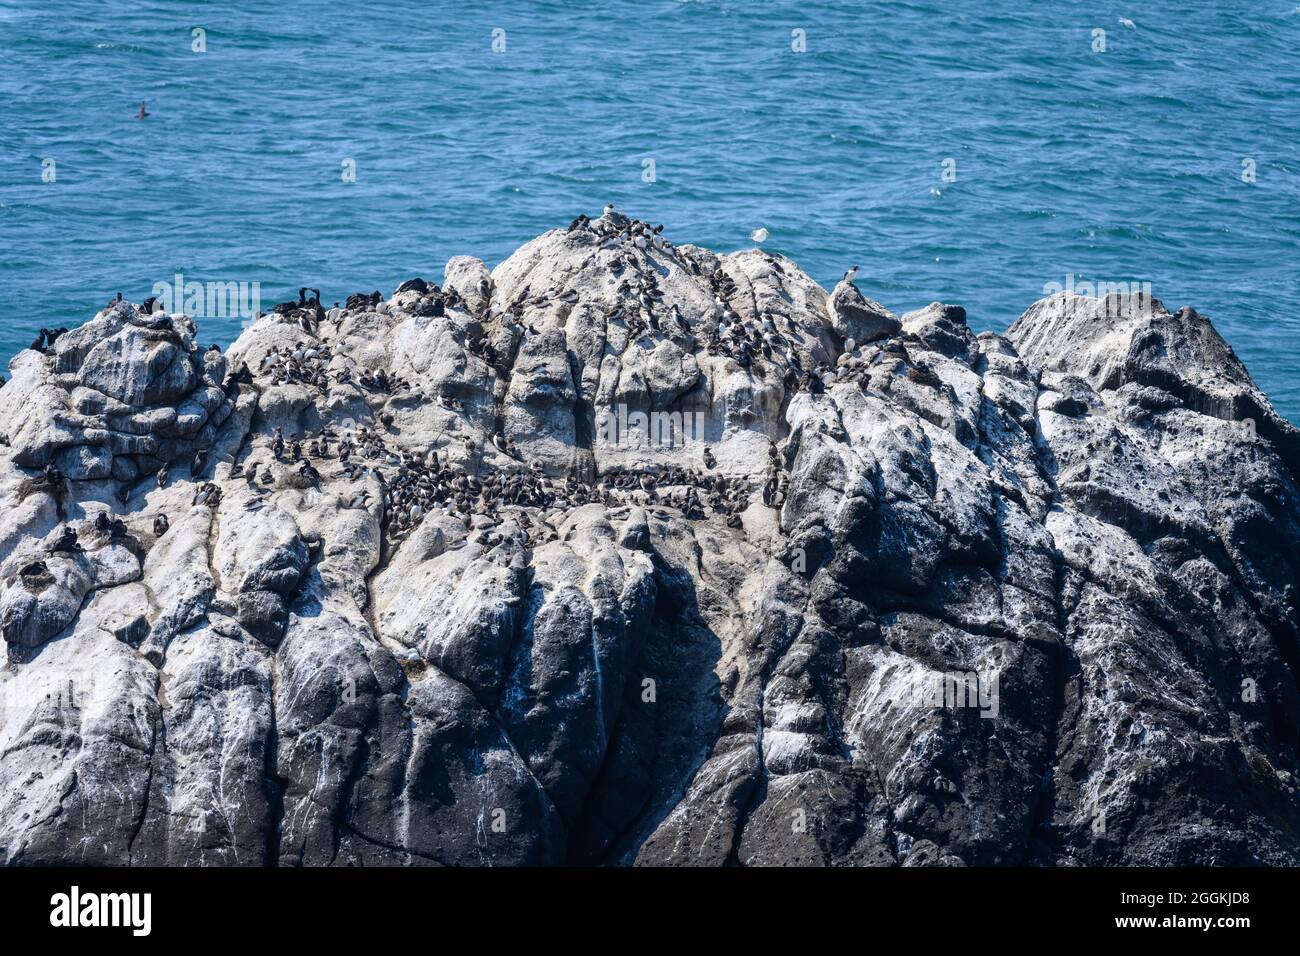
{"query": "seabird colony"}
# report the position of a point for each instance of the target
(414, 484)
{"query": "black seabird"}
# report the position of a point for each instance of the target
(36, 575)
(243, 376)
(208, 494)
(412, 285)
(67, 542)
(112, 527)
(677, 317)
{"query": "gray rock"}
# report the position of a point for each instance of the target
(900, 594)
(857, 317)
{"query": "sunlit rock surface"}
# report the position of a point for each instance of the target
(632, 553)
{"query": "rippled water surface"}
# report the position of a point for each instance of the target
(1119, 166)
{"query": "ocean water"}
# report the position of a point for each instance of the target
(964, 152)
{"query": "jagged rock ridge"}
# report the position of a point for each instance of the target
(376, 586)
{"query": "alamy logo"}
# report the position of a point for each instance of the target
(956, 689)
(615, 427)
(213, 300)
(103, 909)
(1100, 289)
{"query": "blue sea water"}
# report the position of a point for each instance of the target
(1120, 166)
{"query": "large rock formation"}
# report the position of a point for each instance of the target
(631, 553)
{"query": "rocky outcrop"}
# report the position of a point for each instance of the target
(631, 553)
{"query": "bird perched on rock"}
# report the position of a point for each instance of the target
(161, 477)
(208, 494)
(709, 461)
(199, 463)
(362, 300)
(160, 524)
(676, 314)
(289, 308)
(923, 376)
(112, 528)
(36, 574)
(67, 542)
(612, 223)
(851, 274)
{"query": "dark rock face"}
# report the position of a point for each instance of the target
(905, 595)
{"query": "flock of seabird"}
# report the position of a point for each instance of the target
(413, 485)
(752, 344)
(416, 484)
(308, 313)
(45, 340)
